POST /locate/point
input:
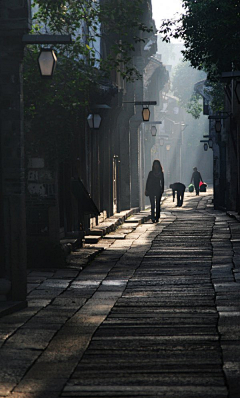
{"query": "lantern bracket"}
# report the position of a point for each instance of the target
(220, 115)
(144, 103)
(46, 39)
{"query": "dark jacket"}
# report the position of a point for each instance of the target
(196, 177)
(155, 184)
(179, 187)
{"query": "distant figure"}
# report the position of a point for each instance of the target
(180, 188)
(196, 178)
(155, 188)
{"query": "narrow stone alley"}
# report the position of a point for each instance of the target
(156, 314)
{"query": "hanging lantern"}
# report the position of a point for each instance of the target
(154, 131)
(47, 62)
(94, 120)
(146, 114)
(205, 146)
(161, 142)
(210, 143)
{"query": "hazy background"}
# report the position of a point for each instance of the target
(192, 150)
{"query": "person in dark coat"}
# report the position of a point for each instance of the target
(155, 189)
(180, 189)
(196, 178)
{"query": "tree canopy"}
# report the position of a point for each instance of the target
(211, 34)
(55, 109)
(183, 81)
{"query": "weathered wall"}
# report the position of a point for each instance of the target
(14, 22)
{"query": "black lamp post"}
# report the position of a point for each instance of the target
(47, 62)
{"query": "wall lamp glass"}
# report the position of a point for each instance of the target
(47, 62)
(161, 142)
(205, 146)
(146, 114)
(94, 120)
(154, 131)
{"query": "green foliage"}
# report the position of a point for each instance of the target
(121, 29)
(55, 110)
(194, 106)
(216, 90)
(183, 82)
(211, 35)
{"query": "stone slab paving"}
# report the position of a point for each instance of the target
(156, 314)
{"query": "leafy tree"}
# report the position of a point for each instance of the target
(211, 35)
(56, 109)
(184, 79)
(121, 24)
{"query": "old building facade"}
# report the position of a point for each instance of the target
(104, 173)
(14, 22)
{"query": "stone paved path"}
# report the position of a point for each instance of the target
(154, 315)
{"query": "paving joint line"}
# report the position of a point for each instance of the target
(117, 298)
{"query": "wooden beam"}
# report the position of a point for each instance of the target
(47, 39)
(232, 74)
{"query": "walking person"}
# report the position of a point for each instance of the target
(155, 189)
(196, 178)
(180, 189)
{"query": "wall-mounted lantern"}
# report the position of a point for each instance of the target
(218, 119)
(145, 105)
(218, 126)
(94, 120)
(205, 146)
(154, 131)
(47, 62)
(210, 143)
(146, 114)
(168, 146)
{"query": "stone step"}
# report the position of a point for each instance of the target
(115, 236)
(90, 239)
(69, 244)
(110, 225)
(97, 231)
(130, 225)
(135, 220)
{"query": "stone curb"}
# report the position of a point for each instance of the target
(110, 224)
(86, 254)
